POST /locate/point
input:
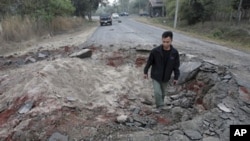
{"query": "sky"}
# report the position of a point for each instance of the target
(111, 1)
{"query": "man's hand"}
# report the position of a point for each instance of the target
(175, 82)
(145, 76)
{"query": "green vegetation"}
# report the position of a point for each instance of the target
(226, 21)
(232, 35)
(195, 11)
(22, 19)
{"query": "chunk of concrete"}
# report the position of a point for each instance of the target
(85, 53)
(26, 107)
(223, 108)
(242, 78)
(188, 70)
(30, 59)
(210, 139)
(192, 134)
(58, 137)
(122, 118)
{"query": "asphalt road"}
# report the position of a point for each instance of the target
(130, 33)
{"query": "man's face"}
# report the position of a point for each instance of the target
(166, 41)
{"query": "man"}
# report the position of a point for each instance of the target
(164, 60)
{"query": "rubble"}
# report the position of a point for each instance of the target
(188, 71)
(84, 53)
(122, 118)
(224, 108)
(105, 97)
(193, 135)
(57, 136)
(26, 107)
(42, 55)
(30, 60)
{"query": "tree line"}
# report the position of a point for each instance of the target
(48, 9)
(195, 11)
(23, 19)
(192, 11)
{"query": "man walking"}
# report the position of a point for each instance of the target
(164, 60)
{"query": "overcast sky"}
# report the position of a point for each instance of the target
(111, 1)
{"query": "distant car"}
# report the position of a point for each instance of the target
(115, 16)
(124, 14)
(105, 19)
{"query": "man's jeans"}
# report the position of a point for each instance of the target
(160, 90)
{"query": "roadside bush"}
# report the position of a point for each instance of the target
(217, 33)
(238, 35)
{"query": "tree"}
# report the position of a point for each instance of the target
(241, 6)
(245, 4)
(8, 7)
(193, 12)
(139, 4)
(209, 6)
(85, 7)
(124, 5)
(45, 9)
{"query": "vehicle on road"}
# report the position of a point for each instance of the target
(115, 16)
(124, 14)
(105, 19)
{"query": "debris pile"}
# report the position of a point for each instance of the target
(61, 95)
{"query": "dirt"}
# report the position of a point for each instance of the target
(68, 89)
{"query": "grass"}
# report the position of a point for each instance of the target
(64, 24)
(15, 30)
(224, 33)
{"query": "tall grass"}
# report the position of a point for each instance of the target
(62, 24)
(16, 28)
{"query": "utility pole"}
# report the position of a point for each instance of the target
(162, 10)
(128, 6)
(139, 6)
(121, 2)
(165, 7)
(176, 13)
(239, 11)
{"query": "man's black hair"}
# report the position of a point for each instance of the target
(167, 34)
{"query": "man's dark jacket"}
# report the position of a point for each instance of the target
(156, 61)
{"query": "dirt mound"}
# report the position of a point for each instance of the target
(51, 85)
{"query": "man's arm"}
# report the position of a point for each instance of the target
(148, 65)
(176, 68)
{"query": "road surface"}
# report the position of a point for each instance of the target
(130, 34)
